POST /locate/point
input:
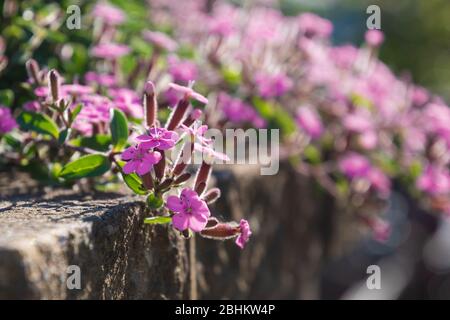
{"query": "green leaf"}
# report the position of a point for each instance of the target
(158, 220)
(38, 122)
(312, 154)
(119, 129)
(134, 183)
(154, 202)
(99, 142)
(11, 141)
(6, 97)
(74, 113)
(63, 135)
(87, 166)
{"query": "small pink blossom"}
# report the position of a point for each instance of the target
(188, 93)
(381, 229)
(379, 181)
(312, 25)
(110, 51)
(374, 38)
(357, 122)
(271, 86)
(76, 89)
(102, 79)
(32, 106)
(191, 211)
(182, 70)
(160, 138)
(140, 159)
(160, 40)
(127, 101)
(309, 121)
(109, 14)
(245, 234)
(434, 180)
(7, 121)
(354, 165)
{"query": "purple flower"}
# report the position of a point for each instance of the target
(354, 165)
(191, 211)
(110, 51)
(160, 138)
(188, 93)
(271, 86)
(434, 180)
(237, 111)
(140, 159)
(7, 121)
(182, 70)
(245, 234)
(312, 25)
(374, 38)
(309, 121)
(76, 89)
(109, 14)
(160, 40)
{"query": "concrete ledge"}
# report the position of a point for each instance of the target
(119, 257)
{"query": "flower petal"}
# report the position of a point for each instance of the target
(130, 167)
(174, 204)
(180, 221)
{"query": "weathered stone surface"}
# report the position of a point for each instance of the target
(296, 229)
(42, 232)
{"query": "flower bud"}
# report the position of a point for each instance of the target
(212, 195)
(178, 114)
(183, 178)
(194, 115)
(200, 188)
(165, 184)
(33, 70)
(160, 167)
(54, 84)
(147, 180)
(220, 231)
(203, 174)
(151, 105)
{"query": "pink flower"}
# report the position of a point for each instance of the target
(160, 40)
(374, 38)
(203, 144)
(245, 234)
(357, 122)
(354, 165)
(140, 160)
(381, 229)
(76, 89)
(109, 14)
(182, 70)
(110, 51)
(188, 93)
(271, 86)
(128, 101)
(160, 138)
(237, 111)
(106, 80)
(434, 180)
(32, 106)
(379, 181)
(7, 121)
(309, 121)
(191, 211)
(312, 25)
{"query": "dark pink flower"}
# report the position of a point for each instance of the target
(245, 234)
(76, 89)
(110, 51)
(309, 121)
(7, 121)
(160, 138)
(128, 101)
(102, 79)
(140, 159)
(191, 211)
(354, 165)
